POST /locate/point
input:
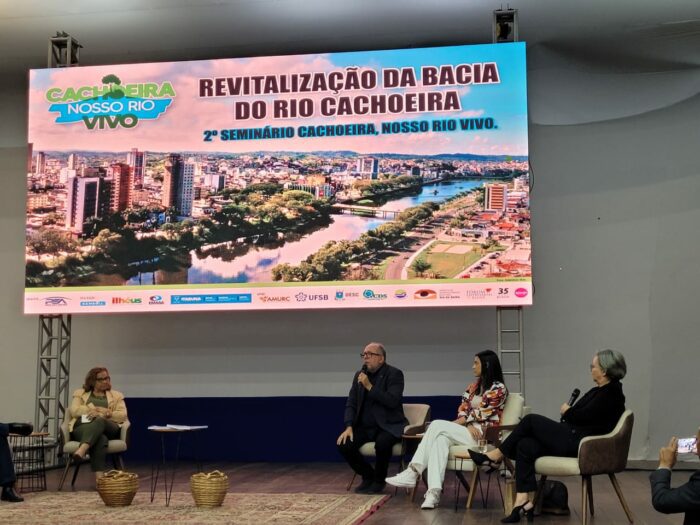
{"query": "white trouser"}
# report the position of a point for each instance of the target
(434, 449)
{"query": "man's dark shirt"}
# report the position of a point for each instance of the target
(685, 498)
(382, 405)
(366, 418)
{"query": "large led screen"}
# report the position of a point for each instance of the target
(366, 179)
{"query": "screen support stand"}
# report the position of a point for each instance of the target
(511, 346)
(52, 375)
(53, 347)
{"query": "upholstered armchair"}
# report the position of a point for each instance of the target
(115, 447)
(512, 413)
(417, 415)
(606, 454)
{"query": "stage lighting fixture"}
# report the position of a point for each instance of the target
(64, 50)
(505, 25)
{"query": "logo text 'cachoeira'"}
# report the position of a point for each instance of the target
(110, 105)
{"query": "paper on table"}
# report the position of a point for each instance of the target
(157, 427)
(187, 427)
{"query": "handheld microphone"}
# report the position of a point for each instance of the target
(574, 397)
(364, 369)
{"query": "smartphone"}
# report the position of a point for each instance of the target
(687, 445)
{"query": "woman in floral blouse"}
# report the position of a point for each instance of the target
(481, 407)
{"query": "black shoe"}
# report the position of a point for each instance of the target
(23, 429)
(376, 488)
(517, 512)
(364, 487)
(482, 460)
(9, 494)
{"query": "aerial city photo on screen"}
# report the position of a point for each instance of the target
(385, 178)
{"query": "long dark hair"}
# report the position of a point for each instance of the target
(490, 369)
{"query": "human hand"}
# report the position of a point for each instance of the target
(93, 413)
(363, 380)
(564, 408)
(474, 431)
(342, 438)
(104, 412)
(669, 454)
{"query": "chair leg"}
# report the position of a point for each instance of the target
(75, 473)
(584, 501)
(354, 474)
(589, 482)
(117, 462)
(414, 490)
(618, 491)
(65, 473)
(472, 487)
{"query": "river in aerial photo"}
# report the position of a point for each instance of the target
(251, 263)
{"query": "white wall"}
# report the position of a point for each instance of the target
(615, 252)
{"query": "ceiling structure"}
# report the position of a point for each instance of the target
(622, 34)
(588, 61)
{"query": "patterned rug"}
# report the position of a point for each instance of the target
(244, 509)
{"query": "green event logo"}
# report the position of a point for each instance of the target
(112, 104)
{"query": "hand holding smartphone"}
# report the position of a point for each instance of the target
(687, 445)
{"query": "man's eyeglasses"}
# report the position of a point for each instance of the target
(103, 378)
(368, 354)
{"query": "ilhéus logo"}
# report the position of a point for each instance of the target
(110, 105)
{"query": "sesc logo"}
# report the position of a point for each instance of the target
(56, 301)
(155, 299)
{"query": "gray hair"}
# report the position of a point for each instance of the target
(376, 347)
(612, 363)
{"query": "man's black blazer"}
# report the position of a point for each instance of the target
(685, 498)
(387, 397)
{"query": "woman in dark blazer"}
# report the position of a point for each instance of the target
(597, 412)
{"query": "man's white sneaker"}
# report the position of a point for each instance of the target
(407, 479)
(432, 498)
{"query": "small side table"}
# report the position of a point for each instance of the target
(28, 456)
(156, 465)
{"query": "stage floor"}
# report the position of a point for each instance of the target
(399, 510)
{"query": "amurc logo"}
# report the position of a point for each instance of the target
(110, 105)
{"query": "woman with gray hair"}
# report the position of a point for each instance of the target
(597, 412)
